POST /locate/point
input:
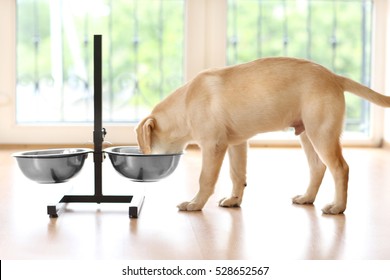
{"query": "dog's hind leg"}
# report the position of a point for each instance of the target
(237, 159)
(212, 158)
(327, 145)
(317, 171)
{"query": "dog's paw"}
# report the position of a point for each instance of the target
(333, 209)
(189, 206)
(230, 202)
(302, 199)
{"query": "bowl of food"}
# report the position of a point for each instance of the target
(53, 165)
(130, 162)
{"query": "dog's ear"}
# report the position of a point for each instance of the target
(144, 134)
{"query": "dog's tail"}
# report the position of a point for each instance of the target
(364, 92)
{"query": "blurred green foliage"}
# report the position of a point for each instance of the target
(143, 46)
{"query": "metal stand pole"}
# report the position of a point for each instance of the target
(98, 157)
(98, 133)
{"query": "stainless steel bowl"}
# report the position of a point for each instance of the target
(131, 163)
(51, 166)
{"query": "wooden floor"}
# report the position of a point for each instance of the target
(267, 226)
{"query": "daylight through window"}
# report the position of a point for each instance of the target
(334, 33)
(142, 57)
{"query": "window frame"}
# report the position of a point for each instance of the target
(205, 37)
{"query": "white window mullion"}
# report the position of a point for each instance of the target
(380, 65)
(205, 35)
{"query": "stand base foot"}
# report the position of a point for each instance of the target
(52, 211)
(135, 208)
(136, 203)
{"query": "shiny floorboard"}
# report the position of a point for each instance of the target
(267, 226)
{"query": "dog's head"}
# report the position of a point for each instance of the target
(159, 137)
(152, 138)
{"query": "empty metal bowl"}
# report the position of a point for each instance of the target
(51, 166)
(133, 164)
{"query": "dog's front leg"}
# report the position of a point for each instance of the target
(237, 158)
(212, 158)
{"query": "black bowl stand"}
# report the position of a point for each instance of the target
(99, 133)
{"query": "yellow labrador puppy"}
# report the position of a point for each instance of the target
(221, 108)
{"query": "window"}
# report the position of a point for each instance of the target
(142, 59)
(336, 34)
(153, 46)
